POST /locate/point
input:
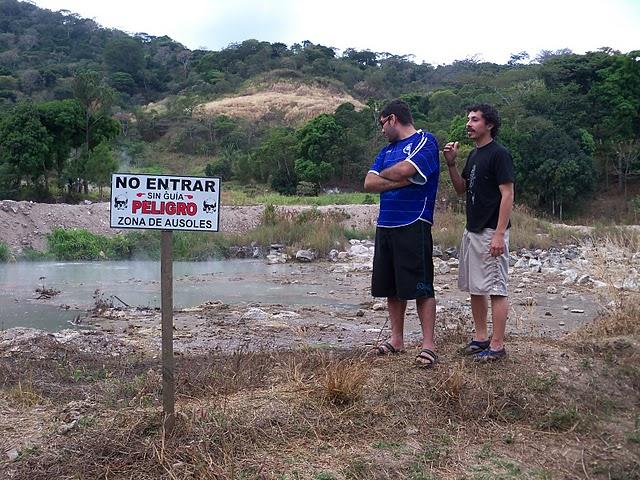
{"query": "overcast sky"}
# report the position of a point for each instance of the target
(435, 32)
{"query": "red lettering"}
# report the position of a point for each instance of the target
(164, 208)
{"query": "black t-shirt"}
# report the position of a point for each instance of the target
(486, 169)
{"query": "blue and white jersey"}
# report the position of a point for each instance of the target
(403, 206)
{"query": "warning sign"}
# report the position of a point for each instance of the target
(164, 202)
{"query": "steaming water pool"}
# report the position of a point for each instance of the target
(137, 283)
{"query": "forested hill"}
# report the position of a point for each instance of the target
(79, 100)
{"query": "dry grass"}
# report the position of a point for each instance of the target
(309, 229)
(312, 414)
(616, 260)
(528, 231)
(291, 102)
(343, 381)
(23, 393)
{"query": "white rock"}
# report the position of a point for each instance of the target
(379, 306)
(576, 310)
(583, 279)
(305, 256)
(552, 290)
(358, 250)
(285, 314)
(256, 314)
(570, 276)
(444, 268)
(276, 258)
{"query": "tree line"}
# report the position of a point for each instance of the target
(72, 98)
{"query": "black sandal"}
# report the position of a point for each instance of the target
(426, 358)
(475, 346)
(387, 349)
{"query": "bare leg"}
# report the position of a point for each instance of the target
(397, 308)
(479, 309)
(426, 308)
(499, 313)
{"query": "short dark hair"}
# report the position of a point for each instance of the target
(400, 109)
(490, 115)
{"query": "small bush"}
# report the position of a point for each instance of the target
(5, 252)
(307, 189)
(79, 244)
(343, 381)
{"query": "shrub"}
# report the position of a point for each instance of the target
(307, 189)
(5, 252)
(79, 244)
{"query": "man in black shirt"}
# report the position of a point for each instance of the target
(487, 179)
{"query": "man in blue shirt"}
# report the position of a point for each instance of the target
(405, 173)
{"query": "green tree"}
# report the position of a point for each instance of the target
(24, 148)
(319, 149)
(96, 98)
(555, 170)
(100, 165)
(124, 54)
(63, 120)
(275, 160)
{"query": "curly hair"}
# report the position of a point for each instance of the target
(490, 115)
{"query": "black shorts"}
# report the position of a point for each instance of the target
(403, 262)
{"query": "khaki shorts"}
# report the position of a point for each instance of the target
(479, 272)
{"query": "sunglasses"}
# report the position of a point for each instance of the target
(382, 122)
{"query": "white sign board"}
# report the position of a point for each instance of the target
(165, 202)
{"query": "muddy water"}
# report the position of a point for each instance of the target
(137, 283)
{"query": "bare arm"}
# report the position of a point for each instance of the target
(450, 152)
(376, 184)
(504, 214)
(400, 171)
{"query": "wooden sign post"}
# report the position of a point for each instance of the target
(165, 203)
(168, 363)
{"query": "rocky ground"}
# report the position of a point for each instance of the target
(553, 293)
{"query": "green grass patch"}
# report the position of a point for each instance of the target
(259, 195)
(80, 244)
(5, 252)
(560, 419)
(33, 255)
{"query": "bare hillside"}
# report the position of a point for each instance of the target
(289, 101)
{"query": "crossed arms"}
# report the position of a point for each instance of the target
(390, 178)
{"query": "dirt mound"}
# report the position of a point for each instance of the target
(291, 102)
